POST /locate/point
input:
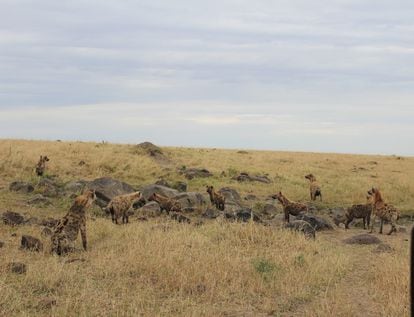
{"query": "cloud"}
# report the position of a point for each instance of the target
(333, 72)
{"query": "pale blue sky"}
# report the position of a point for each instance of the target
(333, 76)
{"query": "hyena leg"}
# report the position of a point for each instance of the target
(363, 219)
(393, 226)
(287, 216)
(83, 235)
(347, 222)
(372, 223)
(381, 226)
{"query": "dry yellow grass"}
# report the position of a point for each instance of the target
(162, 268)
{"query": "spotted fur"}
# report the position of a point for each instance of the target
(290, 207)
(41, 165)
(66, 230)
(314, 187)
(383, 211)
(216, 199)
(359, 211)
(120, 205)
(167, 204)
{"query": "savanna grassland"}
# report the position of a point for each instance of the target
(160, 267)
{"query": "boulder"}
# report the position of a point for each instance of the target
(32, 221)
(31, 243)
(383, 248)
(230, 194)
(191, 173)
(337, 215)
(49, 222)
(12, 218)
(364, 238)
(180, 218)
(17, 267)
(250, 197)
(317, 223)
(148, 190)
(302, 226)
(39, 200)
(149, 149)
(107, 188)
(21, 187)
(180, 186)
(269, 209)
(191, 199)
(48, 187)
(151, 209)
(243, 215)
(210, 214)
(75, 187)
(245, 177)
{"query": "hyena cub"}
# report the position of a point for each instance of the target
(167, 204)
(315, 189)
(359, 211)
(216, 199)
(383, 211)
(120, 205)
(290, 207)
(66, 230)
(41, 165)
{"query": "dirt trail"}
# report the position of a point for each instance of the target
(350, 296)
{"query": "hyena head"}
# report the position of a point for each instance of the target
(310, 177)
(209, 189)
(372, 191)
(152, 197)
(136, 196)
(90, 195)
(45, 159)
(278, 196)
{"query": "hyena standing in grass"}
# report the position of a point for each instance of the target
(120, 205)
(359, 211)
(216, 199)
(66, 230)
(167, 204)
(41, 165)
(383, 211)
(314, 187)
(290, 207)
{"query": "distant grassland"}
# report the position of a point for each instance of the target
(345, 179)
(160, 267)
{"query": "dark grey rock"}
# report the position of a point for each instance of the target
(210, 214)
(302, 226)
(107, 188)
(363, 239)
(17, 267)
(191, 173)
(245, 177)
(317, 223)
(31, 243)
(39, 199)
(75, 187)
(21, 187)
(191, 199)
(180, 218)
(148, 190)
(12, 218)
(383, 248)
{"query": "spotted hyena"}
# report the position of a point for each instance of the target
(66, 230)
(290, 207)
(120, 205)
(383, 211)
(216, 199)
(167, 204)
(314, 188)
(41, 165)
(359, 211)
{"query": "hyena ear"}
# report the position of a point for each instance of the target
(280, 193)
